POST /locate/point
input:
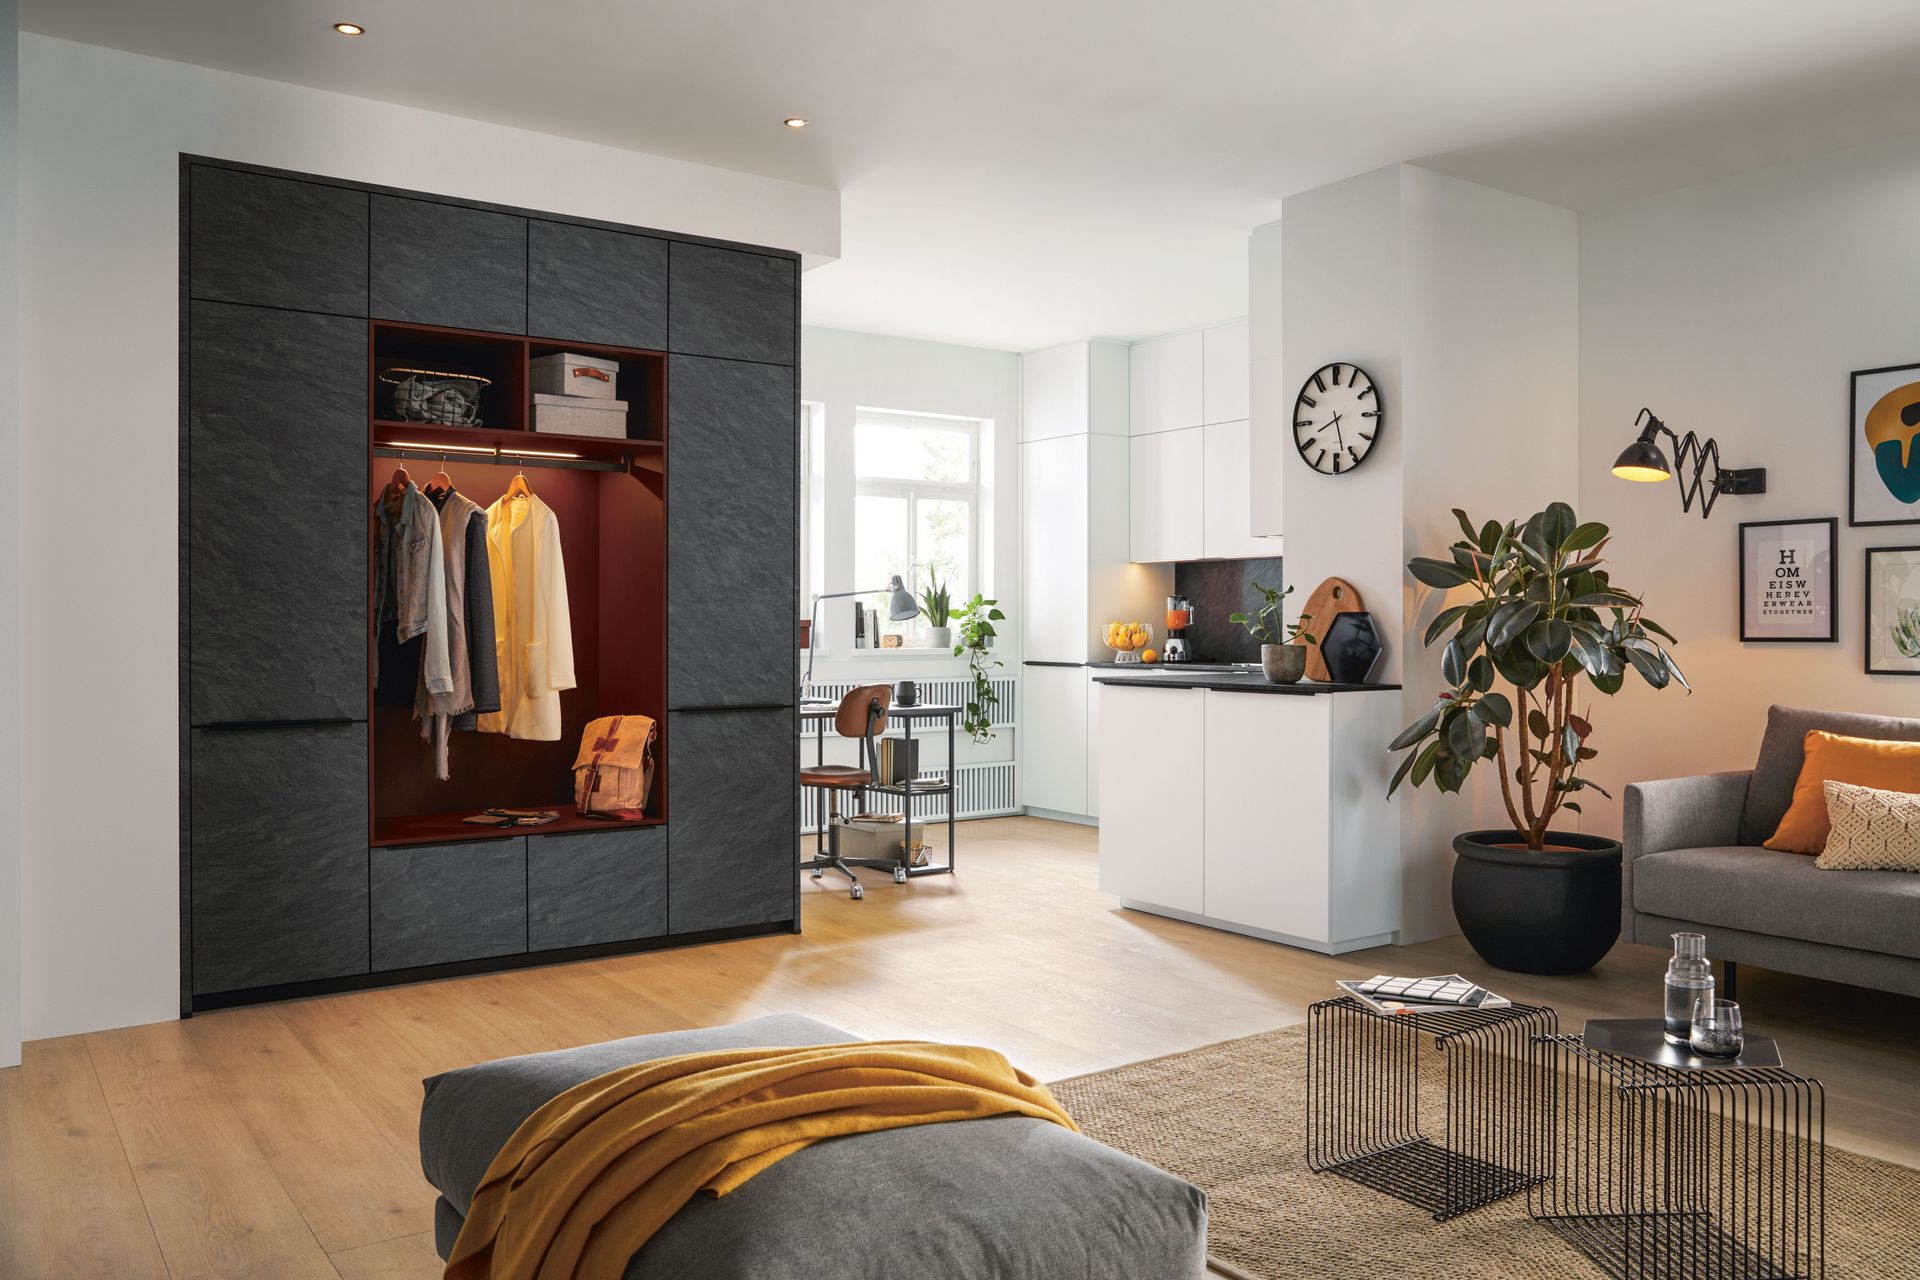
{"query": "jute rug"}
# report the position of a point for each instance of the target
(1231, 1119)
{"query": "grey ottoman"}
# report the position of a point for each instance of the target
(1009, 1198)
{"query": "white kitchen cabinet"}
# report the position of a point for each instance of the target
(1265, 813)
(1266, 847)
(1165, 390)
(1150, 820)
(1093, 743)
(1054, 386)
(1166, 494)
(1225, 497)
(1054, 532)
(1223, 373)
(1053, 738)
(1271, 400)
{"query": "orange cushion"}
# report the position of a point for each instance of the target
(1864, 762)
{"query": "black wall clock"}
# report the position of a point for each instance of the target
(1337, 418)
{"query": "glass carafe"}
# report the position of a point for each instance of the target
(1689, 977)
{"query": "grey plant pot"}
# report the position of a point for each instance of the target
(940, 637)
(1284, 663)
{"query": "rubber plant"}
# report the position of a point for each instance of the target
(976, 618)
(1545, 619)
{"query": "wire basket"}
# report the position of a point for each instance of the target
(428, 395)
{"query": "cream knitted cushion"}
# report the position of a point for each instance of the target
(1873, 830)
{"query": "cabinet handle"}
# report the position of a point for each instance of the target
(244, 726)
(584, 372)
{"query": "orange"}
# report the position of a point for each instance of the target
(1149, 655)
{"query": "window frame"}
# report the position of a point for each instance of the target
(914, 492)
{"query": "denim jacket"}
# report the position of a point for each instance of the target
(410, 582)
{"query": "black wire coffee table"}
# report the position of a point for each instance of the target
(1363, 1101)
(1682, 1168)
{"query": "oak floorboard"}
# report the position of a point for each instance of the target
(159, 1142)
(216, 1205)
(347, 1178)
(408, 1258)
(71, 1205)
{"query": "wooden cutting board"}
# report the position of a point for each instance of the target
(1334, 596)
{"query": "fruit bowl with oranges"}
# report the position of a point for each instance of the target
(1130, 641)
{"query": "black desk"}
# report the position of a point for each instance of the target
(822, 713)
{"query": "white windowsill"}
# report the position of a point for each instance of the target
(867, 655)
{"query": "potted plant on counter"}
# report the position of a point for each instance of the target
(1545, 620)
(936, 606)
(1283, 648)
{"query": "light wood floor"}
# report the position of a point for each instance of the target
(280, 1141)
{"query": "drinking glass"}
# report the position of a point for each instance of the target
(1716, 1028)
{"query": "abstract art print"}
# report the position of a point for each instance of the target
(1883, 446)
(1893, 611)
(1787, 582)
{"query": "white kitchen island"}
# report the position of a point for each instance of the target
(1231, 802)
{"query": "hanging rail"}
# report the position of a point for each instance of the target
(494, 457)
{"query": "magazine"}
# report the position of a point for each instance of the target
(1444, 992)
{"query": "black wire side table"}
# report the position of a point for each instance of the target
(1694, 1171)
(1363, 1101)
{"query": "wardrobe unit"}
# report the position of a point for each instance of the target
(318, 849)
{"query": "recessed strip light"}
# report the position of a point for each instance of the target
(487, 449)
(795, 122)
(349, 28)
(534, 453)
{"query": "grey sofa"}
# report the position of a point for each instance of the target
(1008, 1197)
(1693, 862)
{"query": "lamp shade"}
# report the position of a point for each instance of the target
(900, 602)
(1642, 460)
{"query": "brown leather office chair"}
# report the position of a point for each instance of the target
(862, 715)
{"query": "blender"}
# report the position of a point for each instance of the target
(1179, 618)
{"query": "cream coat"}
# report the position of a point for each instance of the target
(533, 631)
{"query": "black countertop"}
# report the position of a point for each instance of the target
(1162, 677)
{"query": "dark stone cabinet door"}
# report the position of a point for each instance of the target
(276, 242)
(727, 302)
(733, 838)
(589, 285)
(276, 515)
(604, 886)
(279, 853)
(440, 264)
(733, 448)
(434, 904)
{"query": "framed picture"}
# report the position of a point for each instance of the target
(1893, 611)
(1788, 590)
(1883, 446)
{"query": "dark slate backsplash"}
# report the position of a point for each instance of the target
(1217, 589)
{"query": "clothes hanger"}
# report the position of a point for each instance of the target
(441, 481)
(400, 481)
(518, 486)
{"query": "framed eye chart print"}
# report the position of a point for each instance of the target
(1788, 589)
(1893, 611)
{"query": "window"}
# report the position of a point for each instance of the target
(916, 501)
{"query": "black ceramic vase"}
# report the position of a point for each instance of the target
(1555, 911)
(1350, 648)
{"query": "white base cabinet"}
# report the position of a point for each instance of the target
(1053, 738)
(1261, 813)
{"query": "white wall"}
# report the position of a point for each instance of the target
(101, 132)
(10, 529)
(1737, 309)
(1460, 302)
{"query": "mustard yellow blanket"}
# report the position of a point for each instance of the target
(588, 1178)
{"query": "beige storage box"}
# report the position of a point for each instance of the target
(579, 416)
(857, 839)
(568, 374)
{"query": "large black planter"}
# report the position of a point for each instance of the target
(1547, 912)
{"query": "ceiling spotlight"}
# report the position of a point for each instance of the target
(349, 28)
(795, 122)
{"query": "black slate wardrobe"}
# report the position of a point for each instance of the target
(288, 885)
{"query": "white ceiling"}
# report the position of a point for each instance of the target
(1016, 173)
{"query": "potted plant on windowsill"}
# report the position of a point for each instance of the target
(936, 606)
(1545, 620)
(1283, 647)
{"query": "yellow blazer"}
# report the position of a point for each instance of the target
(533, 630)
